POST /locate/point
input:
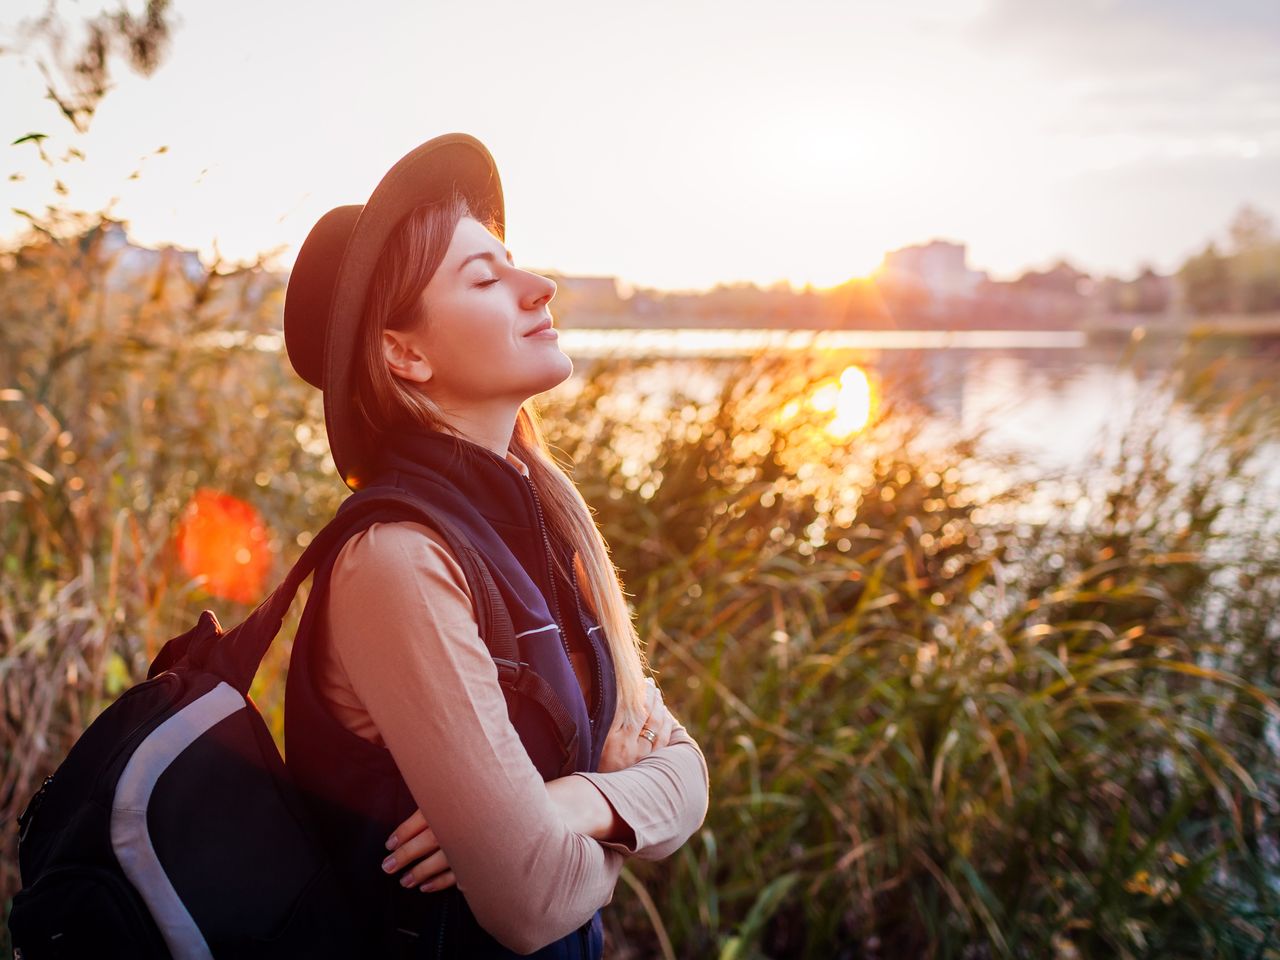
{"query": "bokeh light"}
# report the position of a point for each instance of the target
(222, 540)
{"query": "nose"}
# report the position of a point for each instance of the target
(540, 290)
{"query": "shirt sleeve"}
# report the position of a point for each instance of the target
(663, 797)
(403, 628)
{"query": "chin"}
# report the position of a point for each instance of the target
(563, 370)
(568, 367)
(549, 376)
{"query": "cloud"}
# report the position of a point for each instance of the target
(1163, 79)
(1132, 35)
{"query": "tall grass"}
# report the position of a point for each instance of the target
(112, 414)
(934, 732)
(950, 709)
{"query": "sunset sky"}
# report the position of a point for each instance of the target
(681, 144)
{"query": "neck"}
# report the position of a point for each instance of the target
(490, 425)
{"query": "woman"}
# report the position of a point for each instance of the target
(508, 810)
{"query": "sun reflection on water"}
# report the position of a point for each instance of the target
(849, 397)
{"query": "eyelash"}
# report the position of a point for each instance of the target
(485, 283)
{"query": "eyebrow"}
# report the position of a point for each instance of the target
(486, 255)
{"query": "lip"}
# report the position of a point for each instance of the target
(544, 330)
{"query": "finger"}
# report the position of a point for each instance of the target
(415, 848)
(668, 720)
(655, 723)
(648, 707)
(439, 882)
(668, 727)
(424, 870)
(653, 700)
(649, 745)
(631, 725)
(414, 825)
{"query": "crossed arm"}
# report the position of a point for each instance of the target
(406, 666)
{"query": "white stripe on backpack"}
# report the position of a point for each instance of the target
(129, 836)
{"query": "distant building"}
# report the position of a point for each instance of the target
(583, 300)
(1149, 292)
(939, 268)
(132, 264)
(1060, 280)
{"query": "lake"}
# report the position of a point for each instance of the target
(1058, 398)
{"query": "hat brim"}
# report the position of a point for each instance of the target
(426, 173)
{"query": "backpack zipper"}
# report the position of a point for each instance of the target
(24, 819)
(143, 728)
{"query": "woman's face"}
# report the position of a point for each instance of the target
(487, 338)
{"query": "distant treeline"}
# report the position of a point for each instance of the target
(1240, 276)
(1236, 278)
(1243, 277)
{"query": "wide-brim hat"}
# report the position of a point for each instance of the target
(325, 299)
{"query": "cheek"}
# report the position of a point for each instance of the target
(476, 345)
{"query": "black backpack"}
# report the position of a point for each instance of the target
(172, 828)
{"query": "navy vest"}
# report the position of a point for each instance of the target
(353, 786)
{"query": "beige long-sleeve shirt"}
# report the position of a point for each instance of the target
(403, 665)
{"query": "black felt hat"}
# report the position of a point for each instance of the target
(330, 280)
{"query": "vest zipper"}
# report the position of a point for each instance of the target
(444, 919)
(598, 700)
(551, 576)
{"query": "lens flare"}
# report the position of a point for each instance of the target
(222, 541)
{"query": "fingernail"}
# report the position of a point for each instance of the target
(389, 864)
(406, 880)
(426, 887)
(392, 842)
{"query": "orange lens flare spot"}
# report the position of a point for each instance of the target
(223, 541)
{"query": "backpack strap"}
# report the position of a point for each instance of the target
(491, 614)
(237, 654)
(494, 622)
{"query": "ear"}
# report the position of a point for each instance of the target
(403, 357)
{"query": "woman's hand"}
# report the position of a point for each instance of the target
(624, 745)
(414, 841)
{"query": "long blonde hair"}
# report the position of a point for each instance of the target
(384, 401)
